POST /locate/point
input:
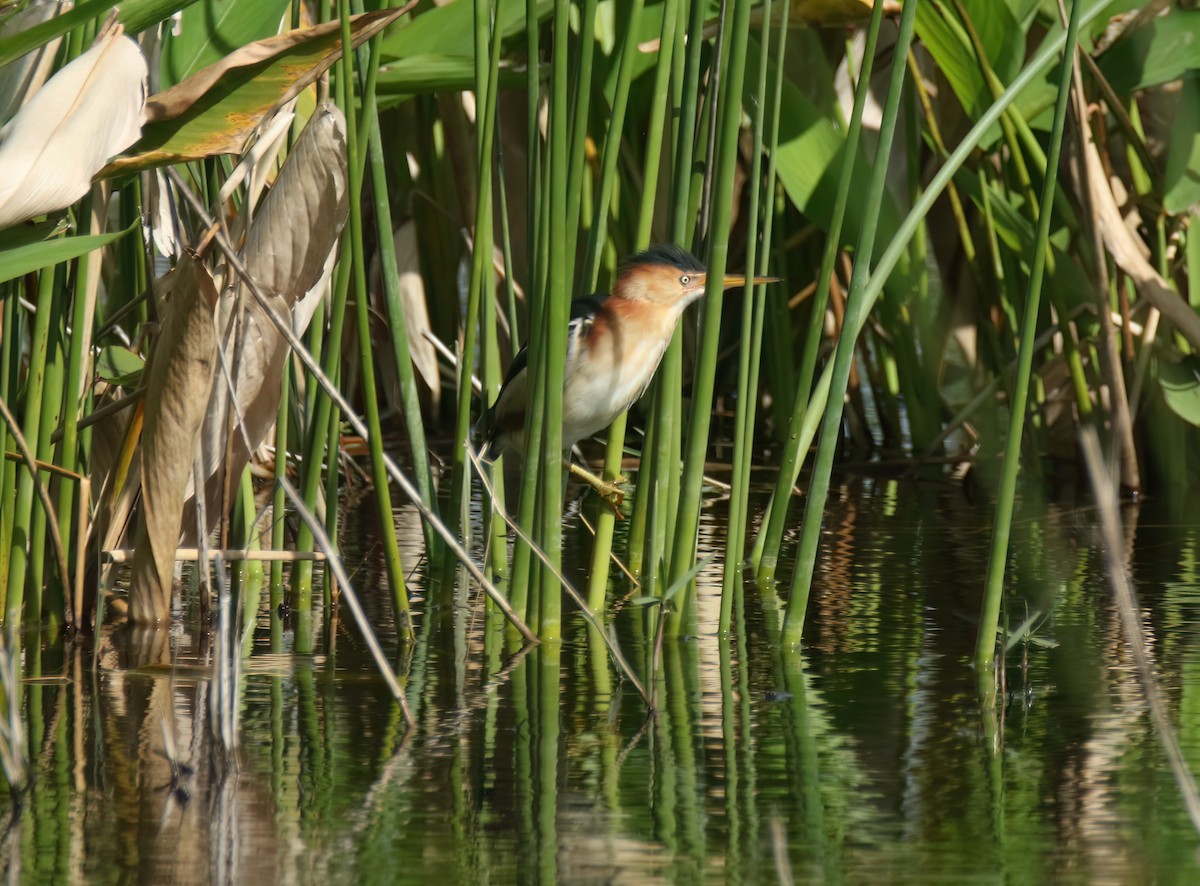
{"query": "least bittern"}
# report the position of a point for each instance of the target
(614, 345)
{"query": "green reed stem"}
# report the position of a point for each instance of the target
(78, 367)
(362, 310)
(10, 367)
(857, 307)
(49, 606)
(580, 103)
(688, 514)
(323, 416)
(481, 263)
(989, 618)
(753, 312)
(606, 522)
(279, 497)
(410, 400)
(18, 567)
(558, 297)
(658, 480)
(771, 533)
(537, 223)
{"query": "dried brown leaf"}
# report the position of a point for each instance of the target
(179, 377)
(289, 252)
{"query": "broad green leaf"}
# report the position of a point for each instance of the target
(943, 33)
(808, 161)
(1182, 178)
(22, 235)
(1001, 35)
(135, 15)
(34, 256)
(211, 29)
(421, 74)
(1165, 49)
(215, 110)
(1180, 383)
(120, 366)
(450, 30)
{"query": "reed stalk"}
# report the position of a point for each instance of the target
(649, 535)
(551, 362)
(858, 305)
(481, 285)
(728, 129)
(18, 569)
(770, 534)
(750, 349)
(606, 522)
(410, 401)
(536, 237)
(278, 499)
(989, 617)
(383, 498)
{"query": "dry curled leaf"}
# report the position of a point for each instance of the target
(179, 376)
(289, 252)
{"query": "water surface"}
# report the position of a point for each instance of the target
(866, 758)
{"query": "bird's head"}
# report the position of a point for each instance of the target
(669, 276)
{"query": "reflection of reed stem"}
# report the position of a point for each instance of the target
(1131, 624)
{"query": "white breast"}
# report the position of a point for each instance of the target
(609, 379)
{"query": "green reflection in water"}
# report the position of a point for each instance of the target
(865, 758)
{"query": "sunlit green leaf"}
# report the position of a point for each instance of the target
(44, 254)
(949, 42)
(449, 30)
(1164, 49)
(808, 160)
(120, 366)
(135, 15)
(211, 29)
(422, 74)
(1180, 384)
(1181, 181)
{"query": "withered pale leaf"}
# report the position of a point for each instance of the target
(87, 112)
(179, 378)
(416, 311)
(289, 252)
(216, 109)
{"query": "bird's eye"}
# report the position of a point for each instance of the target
(685, 280)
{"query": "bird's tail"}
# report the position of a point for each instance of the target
(485, 431)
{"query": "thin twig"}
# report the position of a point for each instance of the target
(191, 555)
(625, 569)
(591, 619)
(132, 399)
(351, 598)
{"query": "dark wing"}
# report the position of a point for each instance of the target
(583, 312)
(515, 368)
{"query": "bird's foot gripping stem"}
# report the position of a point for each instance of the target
(610, 492)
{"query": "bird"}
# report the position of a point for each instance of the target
(615, 343)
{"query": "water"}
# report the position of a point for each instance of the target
(867, 759)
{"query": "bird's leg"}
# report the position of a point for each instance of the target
(610, 492)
